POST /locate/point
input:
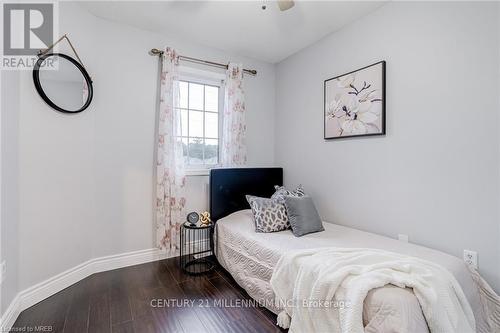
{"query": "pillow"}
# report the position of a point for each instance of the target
(269, 215)
(302, 215)
(281, 192)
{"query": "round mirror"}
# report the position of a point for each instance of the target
(63, 83)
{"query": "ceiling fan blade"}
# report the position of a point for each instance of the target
(285, 4)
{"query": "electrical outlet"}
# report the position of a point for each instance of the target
(470, 258)
(403, 238)
(3, 271)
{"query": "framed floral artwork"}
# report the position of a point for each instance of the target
(355, 103)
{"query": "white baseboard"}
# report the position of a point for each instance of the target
(53, 285)
(10, 315)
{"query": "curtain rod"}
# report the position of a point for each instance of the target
(157, 52)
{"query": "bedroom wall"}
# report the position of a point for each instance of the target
(9, 251)
(435, 175)
(57, 185)
(86, 180)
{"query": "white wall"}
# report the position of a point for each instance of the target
(435, 175)
(9, 180)
(86, 180)
(498, 93)
(57, 182)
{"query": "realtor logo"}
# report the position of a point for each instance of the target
(27, 28)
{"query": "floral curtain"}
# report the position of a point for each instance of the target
(234, 126)
(170, 200)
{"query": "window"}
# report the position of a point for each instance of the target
(199, 104)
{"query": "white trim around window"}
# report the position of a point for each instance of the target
(191, 172)
(204, 77)
(195, 75)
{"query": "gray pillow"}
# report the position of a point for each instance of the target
(302, 215)
(268, 214)
(282, 192)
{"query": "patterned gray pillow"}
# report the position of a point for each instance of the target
(269, 215)
(282, 192)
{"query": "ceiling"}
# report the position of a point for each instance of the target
(239, 27)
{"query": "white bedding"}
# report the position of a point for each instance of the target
(332, 273)
(250, 258)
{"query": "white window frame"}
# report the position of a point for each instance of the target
(195, 75)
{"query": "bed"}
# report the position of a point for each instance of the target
(250, 257)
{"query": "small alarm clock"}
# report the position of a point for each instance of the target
(193, 218)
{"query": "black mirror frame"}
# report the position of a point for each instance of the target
(39, 89)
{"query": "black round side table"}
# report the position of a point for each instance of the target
(196, 250)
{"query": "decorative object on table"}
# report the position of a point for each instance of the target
(205, 218)
(196, 248)
(355, 103)
(62, 81)
(193, 218)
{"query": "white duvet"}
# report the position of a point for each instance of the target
(251, 258)
(324, 289)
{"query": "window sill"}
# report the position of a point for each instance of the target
(197, 172)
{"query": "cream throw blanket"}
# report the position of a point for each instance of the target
(323, 290)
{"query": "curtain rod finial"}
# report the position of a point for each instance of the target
(155, 52)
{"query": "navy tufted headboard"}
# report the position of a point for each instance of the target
(228, 188)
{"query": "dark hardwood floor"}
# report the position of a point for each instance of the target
(120, 301)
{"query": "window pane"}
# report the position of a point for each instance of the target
(199, 129)
(195, 96)
(185, 150)
(195, 151)
(211, 125)
(184, 122)
(183, 94)
(211, 151)
(211, 98)
(195, 123)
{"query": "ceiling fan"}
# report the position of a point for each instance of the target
(282, 4)
(285, 4)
